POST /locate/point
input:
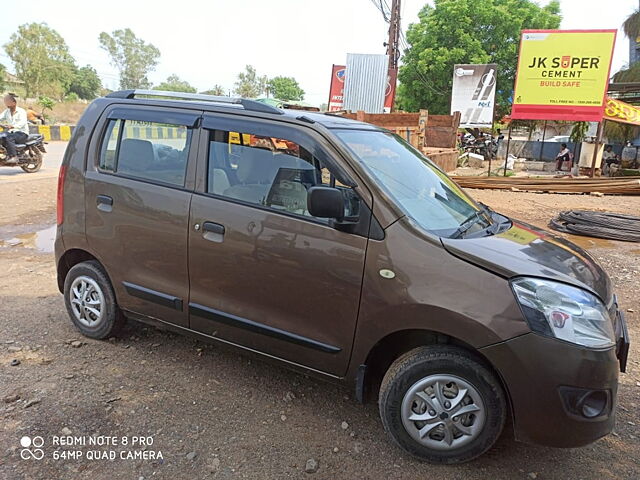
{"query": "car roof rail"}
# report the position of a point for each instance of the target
(250, 105)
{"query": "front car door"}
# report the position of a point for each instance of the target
(264, 273)
(138, 189)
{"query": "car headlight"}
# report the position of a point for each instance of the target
(564, 312)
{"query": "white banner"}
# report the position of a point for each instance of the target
(473, 94)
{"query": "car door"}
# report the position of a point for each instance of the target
(138, 188)
(265, 274)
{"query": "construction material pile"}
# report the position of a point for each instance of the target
(604, 185)
(615, 226)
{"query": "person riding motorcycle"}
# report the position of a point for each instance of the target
(14, 121)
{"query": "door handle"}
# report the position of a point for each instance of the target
(213, 228)
(214, 232)
(104, 203)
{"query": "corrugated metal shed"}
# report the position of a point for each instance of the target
(365, 82)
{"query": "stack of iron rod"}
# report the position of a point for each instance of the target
(605, 185)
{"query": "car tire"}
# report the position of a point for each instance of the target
(424, 422)
(90, 301)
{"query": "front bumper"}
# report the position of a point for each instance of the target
(537, 370)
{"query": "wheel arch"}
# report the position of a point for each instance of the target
(395, 344)
(68, 260)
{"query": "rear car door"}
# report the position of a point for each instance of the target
(264, 273)
(138, 188)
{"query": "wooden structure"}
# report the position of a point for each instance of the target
(433, 135)
(603, 185)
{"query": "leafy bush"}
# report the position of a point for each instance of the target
(71, 97)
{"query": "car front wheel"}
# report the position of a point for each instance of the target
(441, 404)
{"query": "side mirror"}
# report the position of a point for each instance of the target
(325, 202)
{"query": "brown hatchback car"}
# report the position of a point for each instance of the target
(334, 247)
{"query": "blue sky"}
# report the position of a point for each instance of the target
(209, 41)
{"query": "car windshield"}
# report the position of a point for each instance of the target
(420, 188)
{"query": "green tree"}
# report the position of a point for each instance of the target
(579, 131)
(620, 132)
(285, 88)
(41, 58)
(85, 83)
(466, 31)
(631, 73)
(173, 83)
(215, 90)
(631, 25)
(3, 74)
(46, 103)
(249, 84)
(132, 56)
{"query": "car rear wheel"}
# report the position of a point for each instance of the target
(441, 404)
(90, 301)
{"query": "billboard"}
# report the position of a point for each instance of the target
(336, 88)
(622, 112)
(562, 74)
(366, 82)
(473, 94)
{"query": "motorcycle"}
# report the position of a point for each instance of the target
(483, 144)
(29, 154)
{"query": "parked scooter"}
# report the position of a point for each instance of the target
(29, 154)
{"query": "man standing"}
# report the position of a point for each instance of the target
(563, 155)
(14, 121)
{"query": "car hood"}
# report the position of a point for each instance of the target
(525, 250)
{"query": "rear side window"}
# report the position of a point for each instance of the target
(156, 152)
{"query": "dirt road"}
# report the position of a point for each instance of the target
(211, 413)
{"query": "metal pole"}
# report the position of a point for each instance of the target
(595, 149)
(544, 133)
(506, 155)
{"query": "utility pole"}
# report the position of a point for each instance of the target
(393, 45)
(393, 52)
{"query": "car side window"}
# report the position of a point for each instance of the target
(267, 171)
(150, 151)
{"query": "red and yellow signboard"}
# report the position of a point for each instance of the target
(618, 111)
(562, 74)
(336, 88)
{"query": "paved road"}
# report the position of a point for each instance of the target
(50, 166)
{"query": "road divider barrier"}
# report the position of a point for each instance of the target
(64, 132)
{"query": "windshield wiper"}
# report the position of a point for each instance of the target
(471, 221)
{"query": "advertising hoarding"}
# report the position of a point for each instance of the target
(336, 88)
(622, 112)
(366, 82)
(562, 74)
(473, 94)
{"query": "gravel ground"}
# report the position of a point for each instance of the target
(212, 413)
